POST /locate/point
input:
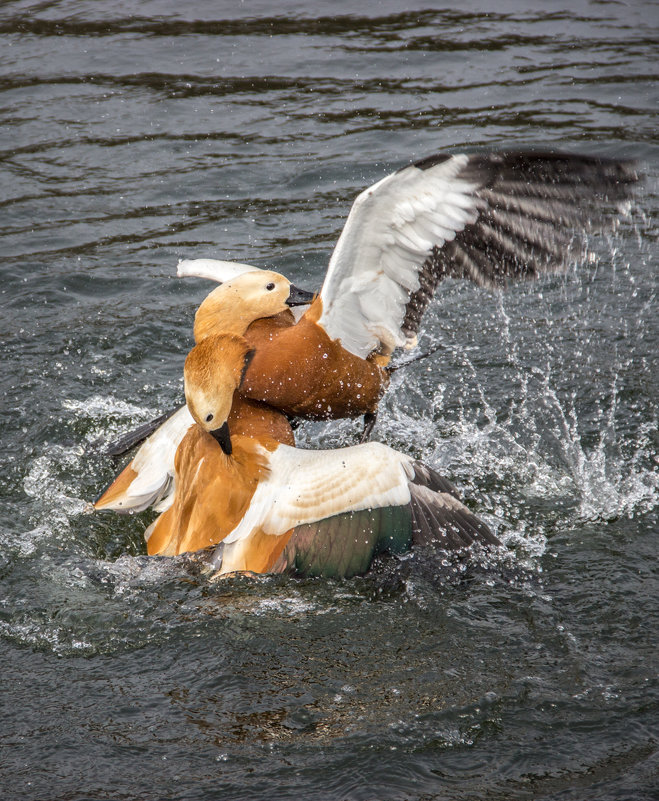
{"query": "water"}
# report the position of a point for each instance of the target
(135, 134)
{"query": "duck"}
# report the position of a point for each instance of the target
(254, 303)
(491, 218)
(261, 506)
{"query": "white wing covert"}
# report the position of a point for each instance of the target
(307, 486)
(390, 231)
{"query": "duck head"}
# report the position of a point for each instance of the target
(213, 371)
(233, 306)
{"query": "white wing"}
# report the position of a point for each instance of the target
(391, 229)
(306, 486)
(486, 217)
(153, 464)
(214, 270)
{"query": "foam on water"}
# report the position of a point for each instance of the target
(44, 636)
(51, 492)
(109, 416)
(292, 606)
(102, 406)
(26, 543)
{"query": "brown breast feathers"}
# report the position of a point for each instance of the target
(302, 372)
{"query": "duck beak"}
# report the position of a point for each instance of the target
(299, 297)
(222, 436)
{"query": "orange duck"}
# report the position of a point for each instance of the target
(231, 309)
(490, 218)
(487, 217)
(273, 508)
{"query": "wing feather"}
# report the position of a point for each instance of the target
(307, 486)
(489, 218)
(333, 511)
(149, 478)
(438, 514)
(304, 487)
(127, 442)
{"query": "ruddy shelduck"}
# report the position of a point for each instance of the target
(273, 508)
(255, 303)
(492, 218)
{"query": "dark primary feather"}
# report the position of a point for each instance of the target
(438, 515)
(425, 476)
(441, 520)
(530, 206)
(137, 436)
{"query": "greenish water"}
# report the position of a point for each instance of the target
(135, 134)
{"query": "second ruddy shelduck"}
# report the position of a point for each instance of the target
(491, 218)
(273, 508)
(254, 304)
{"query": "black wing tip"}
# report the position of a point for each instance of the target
(428, 162)
(440, 518)
(533, 206)
(622, 169)
(425, 476)
(555, 166)
(127, 442)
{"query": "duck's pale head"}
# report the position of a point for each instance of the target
(213, 371)
(234, 305)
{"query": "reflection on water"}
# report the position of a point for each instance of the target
(135, 135)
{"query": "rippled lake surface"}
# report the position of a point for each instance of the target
(137, 133)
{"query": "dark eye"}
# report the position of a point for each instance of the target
(209, 417)
(270, 286)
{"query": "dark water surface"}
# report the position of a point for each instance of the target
(138, 133)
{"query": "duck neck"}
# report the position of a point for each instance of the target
(259, 421)
(213, 318)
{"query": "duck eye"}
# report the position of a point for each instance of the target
(270, 286)
(209, 417)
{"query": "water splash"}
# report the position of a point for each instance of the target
(43, 483)
(608, 482)
(45, 636)
(106, 417)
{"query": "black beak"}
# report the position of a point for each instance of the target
(299, 297)
(221, 434)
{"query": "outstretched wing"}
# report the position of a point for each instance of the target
(487, 217)
(306, 486)
(328, 513)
